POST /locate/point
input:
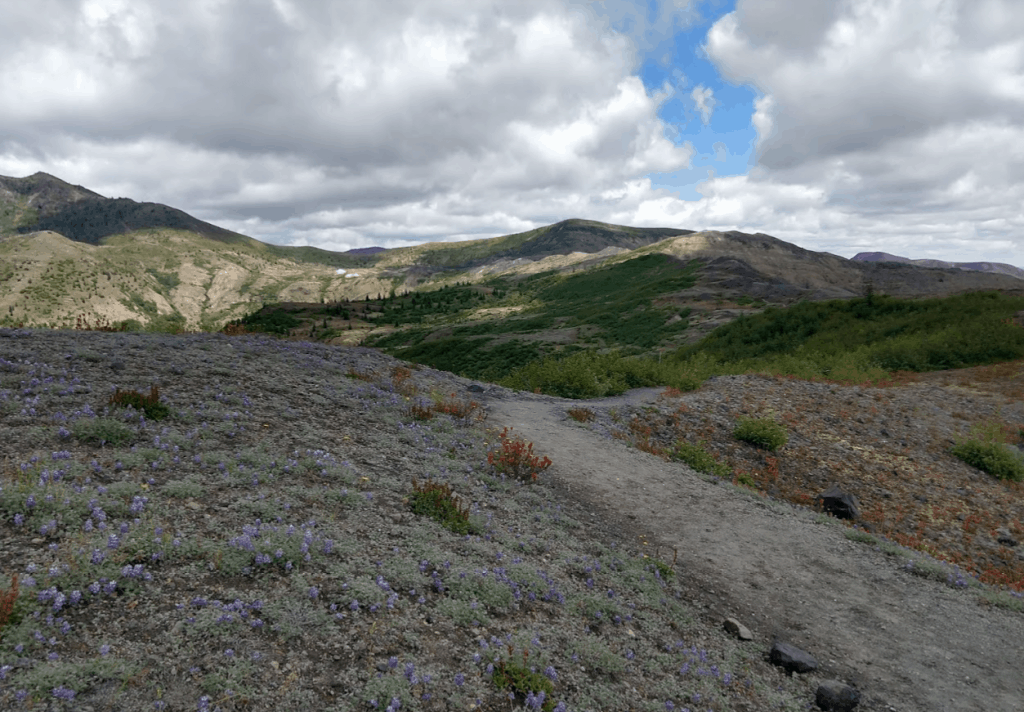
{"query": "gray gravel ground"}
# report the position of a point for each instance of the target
(256, 551)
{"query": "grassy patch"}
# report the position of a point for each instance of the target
(993, 458)
(762, 433)
(700, 459)
(1004, 599)
(102, 431)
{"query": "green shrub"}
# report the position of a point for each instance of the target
(585, 374)
(100, 431)
(700, 459)
(521, 681)
(436, 501)
(150, 405)
(270, 319)
(859, 336)
(763, 433)
(994, 458)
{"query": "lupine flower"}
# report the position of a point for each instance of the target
(63, 693)
(534, 702)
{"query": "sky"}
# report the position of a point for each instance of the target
(841, 126)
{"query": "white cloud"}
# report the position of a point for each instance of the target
(343, 125)
(309, 122)
(909, 115)
(704, 100)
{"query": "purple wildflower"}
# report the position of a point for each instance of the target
(63, 693)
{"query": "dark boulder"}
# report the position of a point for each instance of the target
(791, 658)
(839, 504)
(837, 697)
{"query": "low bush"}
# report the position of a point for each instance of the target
(435, 500)
(763, 433)
(528, 686)
(150, 405)
(271, 319)
(581, 415)
(514, 457)
(102, 431)
(699, 459)
(994, 458)
(9, 611)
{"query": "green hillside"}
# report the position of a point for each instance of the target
(614, 307)
(862, 340)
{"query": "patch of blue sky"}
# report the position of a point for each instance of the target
(722, 134)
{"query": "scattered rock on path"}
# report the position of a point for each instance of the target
(791, 658)
(839, 504)
(834, 695)
(738, 629)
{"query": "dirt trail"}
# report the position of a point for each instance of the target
(908, 643)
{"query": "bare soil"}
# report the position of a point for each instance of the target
(273, 443)
(908, 642)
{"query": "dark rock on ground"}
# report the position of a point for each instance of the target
(1004, 537)
(837, 697)
(791, 658)
(839, 504)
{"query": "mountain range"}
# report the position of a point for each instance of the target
(66, 251)
(994, 267)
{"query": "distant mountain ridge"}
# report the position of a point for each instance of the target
(82, 215)
(991, 267)
(66, 251)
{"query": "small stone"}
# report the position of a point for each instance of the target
(837, 697)
(475, 388)
(792, 658)
(738, 629)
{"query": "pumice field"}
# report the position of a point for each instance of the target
(251, 546)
